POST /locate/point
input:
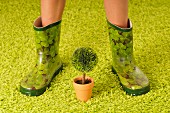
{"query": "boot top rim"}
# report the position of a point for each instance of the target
(38, 25)
(129, 28)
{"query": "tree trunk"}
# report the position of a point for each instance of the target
(83, 79)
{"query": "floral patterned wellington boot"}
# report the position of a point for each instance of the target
(48, 62)
(132, 79)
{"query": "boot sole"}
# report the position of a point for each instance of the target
(132, 92)
(38, 92)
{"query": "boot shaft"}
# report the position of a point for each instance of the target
(47, 38)
(47, 41)
(121, 41)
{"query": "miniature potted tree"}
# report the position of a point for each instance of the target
(84, 59)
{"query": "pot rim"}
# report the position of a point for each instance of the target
(83, 86)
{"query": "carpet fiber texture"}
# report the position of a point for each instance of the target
(84, 24)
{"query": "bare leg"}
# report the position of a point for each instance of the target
(51, 11)
(117, 12)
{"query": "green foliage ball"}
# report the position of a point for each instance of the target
(84, 59)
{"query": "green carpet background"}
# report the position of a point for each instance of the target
(84, 24)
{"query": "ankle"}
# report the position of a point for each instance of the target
(48, 21)
(121, 24)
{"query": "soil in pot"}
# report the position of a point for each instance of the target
(87, 81)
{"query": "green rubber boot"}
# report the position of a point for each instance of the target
(48, 63)
(132, 79)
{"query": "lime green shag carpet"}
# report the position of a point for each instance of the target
(84, 24)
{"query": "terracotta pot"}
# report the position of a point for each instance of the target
(83, 91)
